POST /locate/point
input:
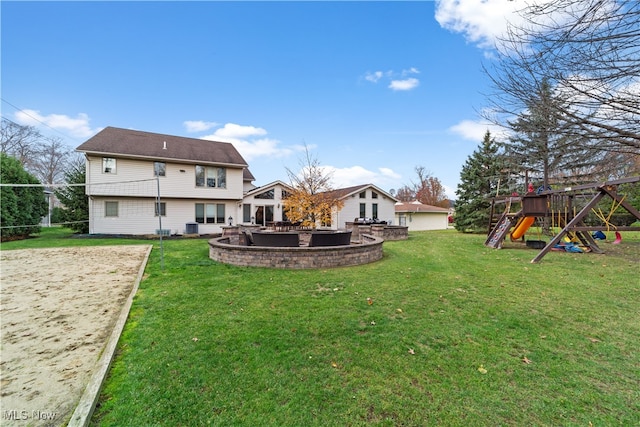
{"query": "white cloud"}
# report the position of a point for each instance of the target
(389, 173)
(397, 80)
(407, 84)
(412, 70)
(474, 130)
(354, 175)
(76, 127)
(232, 130)
(373, 77)
(245, 141)
(481, 21)
(358, 175)
(198, 125)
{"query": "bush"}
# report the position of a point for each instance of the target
(21, 208)
(57, 215)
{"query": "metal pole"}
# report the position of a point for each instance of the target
(160, 222)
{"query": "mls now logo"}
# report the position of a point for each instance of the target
(16, 415)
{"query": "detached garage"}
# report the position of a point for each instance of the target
(419, 217)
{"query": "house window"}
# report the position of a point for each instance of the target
(210, 213)
(108, 165)
(246, 213)
(374, 211)
(200, 213)
(268, 213)
(363, 210)
(374, 195)
(363, 194)
(163, 208)
(266, 195)
(211, 177)
(111, 209)
(159, 169)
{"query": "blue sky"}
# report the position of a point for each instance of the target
(374, 89)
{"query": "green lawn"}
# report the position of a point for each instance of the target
(458, 334)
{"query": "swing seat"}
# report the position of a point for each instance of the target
(599, 235)
(618, 239)
(536, 244)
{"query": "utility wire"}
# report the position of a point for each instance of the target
(37, 120)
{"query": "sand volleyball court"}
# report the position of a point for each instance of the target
(58, 308)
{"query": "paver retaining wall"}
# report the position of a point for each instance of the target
(369, 249)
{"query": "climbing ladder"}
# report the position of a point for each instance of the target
(499, 232)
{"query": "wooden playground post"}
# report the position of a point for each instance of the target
(604, 189)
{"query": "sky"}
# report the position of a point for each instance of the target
(372, 89)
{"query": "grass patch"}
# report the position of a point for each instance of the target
(457, 334)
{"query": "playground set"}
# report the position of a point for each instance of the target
(559, 209)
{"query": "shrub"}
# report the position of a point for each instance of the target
(21, 207)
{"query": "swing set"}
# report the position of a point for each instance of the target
(558, 209)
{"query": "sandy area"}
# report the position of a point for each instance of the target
(58, 308)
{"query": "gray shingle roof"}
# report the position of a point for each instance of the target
(419, 207)
(119, 142)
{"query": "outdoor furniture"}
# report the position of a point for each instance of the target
(276, 239)
(330, 238)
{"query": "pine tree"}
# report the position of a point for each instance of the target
(543, 147)
(74, 199)
(480, 179)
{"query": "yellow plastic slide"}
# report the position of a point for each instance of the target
(522, 226)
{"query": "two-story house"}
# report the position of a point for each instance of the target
(198, 182)
(148, 183)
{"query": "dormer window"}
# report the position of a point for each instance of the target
(108, 165)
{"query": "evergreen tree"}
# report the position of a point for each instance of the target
(541, 146)
(480, 179)
(74, 199)
(21, 207)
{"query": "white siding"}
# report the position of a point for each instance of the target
(421, 221)
(135, 188)
(351, 208)
(137, 216)
(136, 178)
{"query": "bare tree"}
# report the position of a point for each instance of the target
(588, 51)
(311, 201)
(44, 157)
(20, 142)
(406, 194)
(429, 190)
(51, 161)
